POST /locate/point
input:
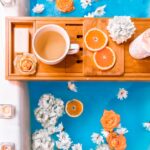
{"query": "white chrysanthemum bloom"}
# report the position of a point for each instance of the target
(77, 147)
(121, 130)
(72, 86)
(85, 3)
(97, 138)
(121, 28)
(42, 141)
(146, 125)
(122, 94)
(100, 11)
(64, 142)
(41, 115)
(103, 147)
(49, 110)
(104, 133)
(38, 8)
(46, 101)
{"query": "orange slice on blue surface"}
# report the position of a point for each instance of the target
(74, 108)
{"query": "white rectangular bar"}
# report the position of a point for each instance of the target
(21, 40)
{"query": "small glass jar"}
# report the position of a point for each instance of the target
(7, 111)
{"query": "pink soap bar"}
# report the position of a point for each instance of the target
(7, 111)
(7, 146)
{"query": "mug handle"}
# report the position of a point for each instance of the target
(74, 48)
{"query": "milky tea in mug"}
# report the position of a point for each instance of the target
(50, 45)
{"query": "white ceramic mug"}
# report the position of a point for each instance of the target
(140, 47)
(70, 48)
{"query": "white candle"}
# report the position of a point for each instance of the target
(7, 111)
(7, 146)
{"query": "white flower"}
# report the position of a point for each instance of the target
(64, 142)
(146, 125)
(42, 141)
(100, 11)
(89, 15)
(38, 8)
(104, 133)
(97, 138)
(49, 110)
(85, 3)
(122, 94)
(51, 130)
(72, 86)
(102, 147)
(121, 28)
(46, 100)
(60, 128)
(121, 130)
(77, 147)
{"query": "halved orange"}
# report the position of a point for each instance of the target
(105, 59)
(65, 5)
(74, 108)
(95, 39)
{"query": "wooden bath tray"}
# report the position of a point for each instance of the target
(73, 67)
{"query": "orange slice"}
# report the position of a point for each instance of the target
(95, 39)
(65, 5)
(74, 108)
(105, 58)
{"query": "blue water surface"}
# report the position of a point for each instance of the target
(98, 96)
(133, 8)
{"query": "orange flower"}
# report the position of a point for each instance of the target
(116, 142)
(110, 120)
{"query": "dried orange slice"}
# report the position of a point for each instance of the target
(74, 108)
(95, 39)
(105, 58)
(65, 5)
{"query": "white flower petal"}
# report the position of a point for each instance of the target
(42, 141)
(85, 3)
(122, 94)
(72, 86)
(100, 11)
(102, 147)
(97, 138)
(38, 8)
(89, 15)
(77, 147)
(146, 125)
(104, 133)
